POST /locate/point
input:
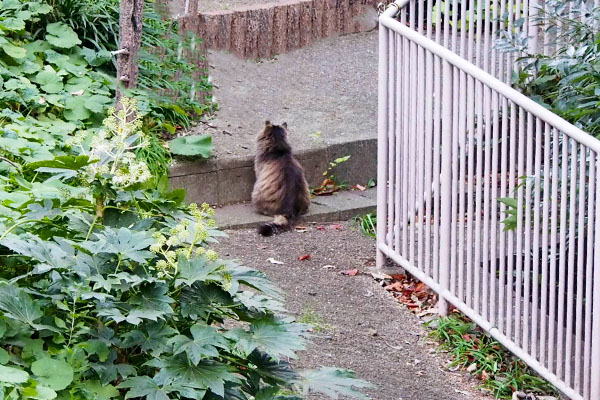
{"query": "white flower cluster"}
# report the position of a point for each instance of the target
(113, 147)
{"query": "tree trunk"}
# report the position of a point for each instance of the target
(130, 38)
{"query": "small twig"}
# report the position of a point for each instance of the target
(120, 51)
(17, 166)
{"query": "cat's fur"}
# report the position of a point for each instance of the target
(281, 189)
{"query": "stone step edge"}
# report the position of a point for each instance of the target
(265, 30)
(229, 180)
(341, 206)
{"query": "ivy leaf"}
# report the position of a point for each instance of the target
(61, 35)
(198, 269)
(17, 304)
(56, 374)
(207, 374)
(204, 344)
(199, 145)
(13, 375)
(14, 51)
(332, 382)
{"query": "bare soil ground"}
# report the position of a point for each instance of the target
(358, 324)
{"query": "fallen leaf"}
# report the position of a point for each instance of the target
(472, 367)
(337, 227)
(77, 93)
(350, 272)
(463, 392)
(380, 275)
(320, 228)
(304, 257)
(372, 332)
(328, 267)
(360, 187)
(274, 261)
(301, 229)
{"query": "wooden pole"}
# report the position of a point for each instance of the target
(130, 38)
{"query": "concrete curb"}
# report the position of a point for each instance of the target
(230, 180)
(340, 206)
(264, 30)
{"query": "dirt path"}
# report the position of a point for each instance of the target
(361, 326)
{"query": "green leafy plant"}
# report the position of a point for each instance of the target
(367, 224)
(483, 356)
(567, 82)
(331, 183)
(110, 290)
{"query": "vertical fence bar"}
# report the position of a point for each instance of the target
(553, 255)
(494, 211)
(564, 202)
(545, 230)
(582, 189)
(595, 311)
(527, 227)
(391, 137)
(382, 150)
(571, 261)
(446, 186)
(589, 271)
(405, 138)
(536, 238)
(400, 176)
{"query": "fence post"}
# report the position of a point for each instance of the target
(595, 354)
(445, 188)
(382, 142)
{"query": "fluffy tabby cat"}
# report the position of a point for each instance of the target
(281, 189)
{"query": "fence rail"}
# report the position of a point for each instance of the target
(484, 195)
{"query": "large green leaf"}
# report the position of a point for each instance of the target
(143, 386)
(153, 339)
(17, 304)
(256, 279)
(273, 337)
(99, 391)
(192, 146)
(125, 242)
(203, 344)
(49, 254)
(332, 382)
(14, 51)
(12, 375)
(61, 35)
(49, 80)
(39, 392)
(198, 269)
(206, 375)
(56, 374)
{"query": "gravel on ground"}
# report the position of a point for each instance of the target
(358, 325)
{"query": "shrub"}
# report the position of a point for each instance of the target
(110, 290)
(567, 81)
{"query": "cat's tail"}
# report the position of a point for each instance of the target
(281, 223)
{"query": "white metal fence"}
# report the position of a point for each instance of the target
(453, 140)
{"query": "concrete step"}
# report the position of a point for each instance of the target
(268, 28)
(327, 93)
(340, 206)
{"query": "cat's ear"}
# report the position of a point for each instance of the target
(284, 125)
(267, 123)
